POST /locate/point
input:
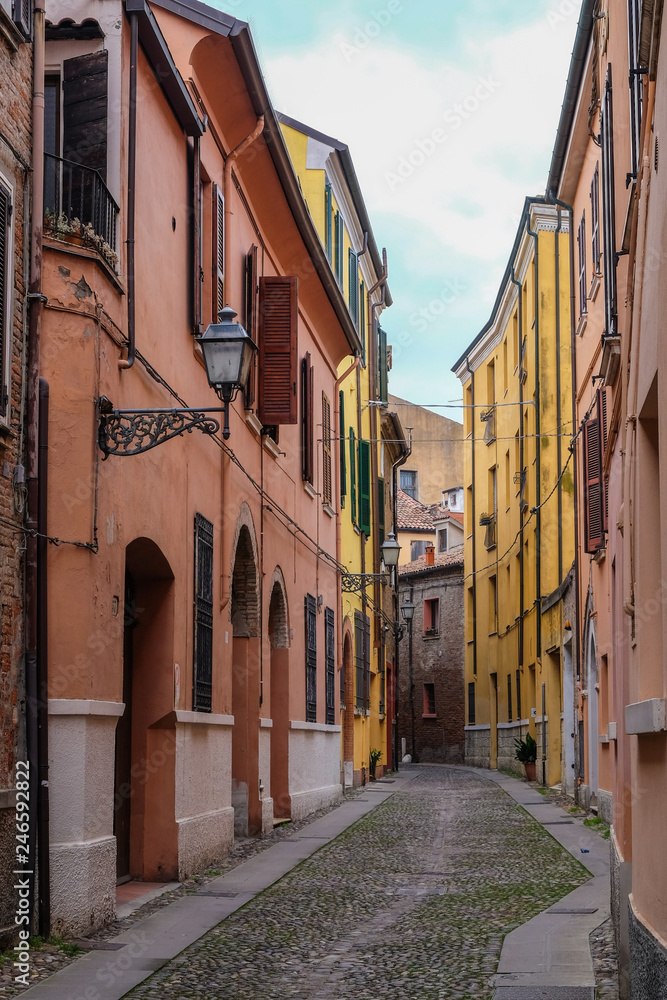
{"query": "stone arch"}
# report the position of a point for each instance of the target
(244, 603)
(279, 630)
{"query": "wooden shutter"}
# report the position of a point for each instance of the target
(306, 419)
(341, 446)
(362, 320)
(5, 297)
(518, 694)
(581, 242)
(353, 477)
(251, 275)
(327, 492)
(593, 502)
(338, 240)
(359, 659)
(608, 211)
(509, 697)
(85, 110)
(365, 487)
(330, 658)
(595, 218)
(328, 221)
(471, 704)
(203, 611)
(382, 365)
(218, 252)
(636, 84)
(277, 402)
(197, 231)
(381, 508)
(602, 423)
(353, 268)
(367, 662)
(311, 658)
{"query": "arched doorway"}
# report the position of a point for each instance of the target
(144, 815)
(246, 688)
(279, 638)
(348, 714)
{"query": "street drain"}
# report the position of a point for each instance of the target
(574, 909)
(557, 822)
(544, 993)
(221, 895)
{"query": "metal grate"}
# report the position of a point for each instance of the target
(203, 610)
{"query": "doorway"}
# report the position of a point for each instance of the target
(122, 785)
(279, 638)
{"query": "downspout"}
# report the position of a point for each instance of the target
(394, 483)
(412, 686)
(373, 308)
(538, 470)
(34, 694)
(131, 192)
(226, 532)
(474, 539)
(559, 455)
(521, 550)
(43, 666)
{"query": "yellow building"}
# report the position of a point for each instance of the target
(357, 488)
(519, 509)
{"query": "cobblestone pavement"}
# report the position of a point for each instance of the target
(411, 902)
(605, 962)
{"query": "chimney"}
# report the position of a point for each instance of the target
(430, 554)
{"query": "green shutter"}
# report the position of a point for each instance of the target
(382, 364)
(381, 508)
(353, 477)
(327, 221)
(353, 266)
(362, 321)
(341, 447)
(338, 241)
(365, 487)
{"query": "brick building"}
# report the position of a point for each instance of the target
(15, 154)
(431, 693)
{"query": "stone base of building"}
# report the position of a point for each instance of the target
(508, 732)
(620, 873)
(648, 960)
(478, 747)
(205, 839)
(83, 886)
(605, 806)
(305, 803)
(8, 898)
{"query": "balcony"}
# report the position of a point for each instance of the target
(79, 208)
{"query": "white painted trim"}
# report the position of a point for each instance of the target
(266, 723)
(469, 729)
(310, 489)
(272, 447)
(203, 718)
(315, 727)
(76, 706)
(646, 716)
(513, 725)
(254, 423)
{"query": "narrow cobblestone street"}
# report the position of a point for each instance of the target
(412, 901)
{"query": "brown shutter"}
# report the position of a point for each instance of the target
(85, 110)
(251, 275)
(593, 500)
(218, 252)
(602, 422)
(306, 419)
(4, 292)
(198, 273)
(277, 350)
(326, 450)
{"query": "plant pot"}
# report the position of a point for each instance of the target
(530, 769)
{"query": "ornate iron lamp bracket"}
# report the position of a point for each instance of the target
(132, 432)
(356, 583)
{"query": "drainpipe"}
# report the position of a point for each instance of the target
(43, 667)
(474, 539)
(412, 686)
(225, 532)
(559, 447)
(521, 566)
(538, 490)
(394, 483)
(34, 694)
(373, 308)
(131, 192)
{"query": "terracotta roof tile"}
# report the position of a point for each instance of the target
(419, 565)
(412, 514)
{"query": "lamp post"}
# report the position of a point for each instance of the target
(227, 351)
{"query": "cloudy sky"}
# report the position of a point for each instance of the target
(450, 109)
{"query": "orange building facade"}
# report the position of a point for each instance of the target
(193, 675)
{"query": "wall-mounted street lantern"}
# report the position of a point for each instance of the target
(408, 610)
(227, 351)
(356, 583)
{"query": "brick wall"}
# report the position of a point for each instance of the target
(15, 122)
(436, 660)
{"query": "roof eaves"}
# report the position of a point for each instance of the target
(201, 14)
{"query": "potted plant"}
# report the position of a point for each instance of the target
(525, 751)
(375, 755)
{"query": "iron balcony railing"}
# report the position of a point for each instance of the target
(78, 203)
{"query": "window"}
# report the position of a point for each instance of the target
(429, 700)
(518, 694)
(327, 490)
(251, 274)
(442, 540)
(595, 218)
(362, 321)
(470, 614)
(365, 487)
(277, 403)
(408, 482)
(417, 548)
(203, 610)
(593, 503)
(341, 449)
(491, 383)
(353, 477)
(471, 703)
(432, 616)
(362, 660)
(338, 247)
(636, 84)
(383, 384)
(20, 11)
(5, 295)
(328, 230)
(330, 660)
(509, 697)
(581, 242)
(493, 605)
(381, 506)
(601, 402)
(311, 658)
(353, 292)
(306, 419)
(608, 210)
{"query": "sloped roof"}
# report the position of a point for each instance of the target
(412, 514)
(419, 565)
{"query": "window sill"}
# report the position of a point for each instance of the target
(328, 509)
(428, 715)
(596, 281)
(430, 635)
(581, 325)
(73, 250)
(271, 446)
(310, 490)
(254, 423)
(9, 31)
